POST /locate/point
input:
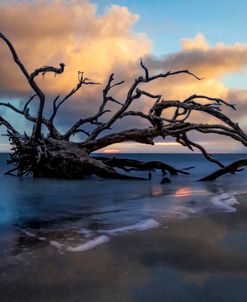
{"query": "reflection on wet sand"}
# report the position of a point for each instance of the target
(185, 241)
(192, 254)
(185, 191)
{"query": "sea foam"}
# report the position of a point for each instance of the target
(90, 244)
(225, 202)
(140, 226)
(104, 237)
(56, 244)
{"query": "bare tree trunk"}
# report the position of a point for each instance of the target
(55, 155)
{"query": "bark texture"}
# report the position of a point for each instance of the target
(56, 155)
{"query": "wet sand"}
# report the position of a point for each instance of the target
(201, 258)
(124, 241)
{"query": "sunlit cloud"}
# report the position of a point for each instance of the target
(99, 44)
(51, 32)
(199, 43)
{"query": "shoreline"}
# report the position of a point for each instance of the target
(195, 255)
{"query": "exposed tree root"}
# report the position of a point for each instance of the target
(58, 159)
(63, 159)
(55, 155)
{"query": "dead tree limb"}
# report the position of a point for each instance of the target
(81, 81)
(31, 80)
(56, 155)
(136, 165)
(232, 168)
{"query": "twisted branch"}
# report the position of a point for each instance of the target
(162, 123)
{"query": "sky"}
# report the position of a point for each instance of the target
(102, 36)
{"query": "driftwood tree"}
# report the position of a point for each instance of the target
(55, 155)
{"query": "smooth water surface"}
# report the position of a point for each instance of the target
(110, 240)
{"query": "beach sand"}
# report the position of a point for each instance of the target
(201, 258)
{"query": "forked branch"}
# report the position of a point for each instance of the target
(55, 155)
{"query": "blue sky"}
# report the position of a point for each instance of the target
(167, 21)
(214, 47)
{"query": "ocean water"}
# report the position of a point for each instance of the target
(111, 240)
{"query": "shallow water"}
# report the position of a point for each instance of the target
(104, 240)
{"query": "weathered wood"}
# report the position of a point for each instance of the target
(232, 168)
(165, 180)
(53, 158)
(136, 165)
(55, 155)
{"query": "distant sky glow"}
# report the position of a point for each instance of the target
(101, 36)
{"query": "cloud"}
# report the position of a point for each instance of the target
(50, 32)
(211, 63)
(208, 62)
(199, 43)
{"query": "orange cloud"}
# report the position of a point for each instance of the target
(50, 32)
(199, 42)
(201, 58)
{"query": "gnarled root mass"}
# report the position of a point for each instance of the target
(55, 155)
(62, 159)
(47, 158)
